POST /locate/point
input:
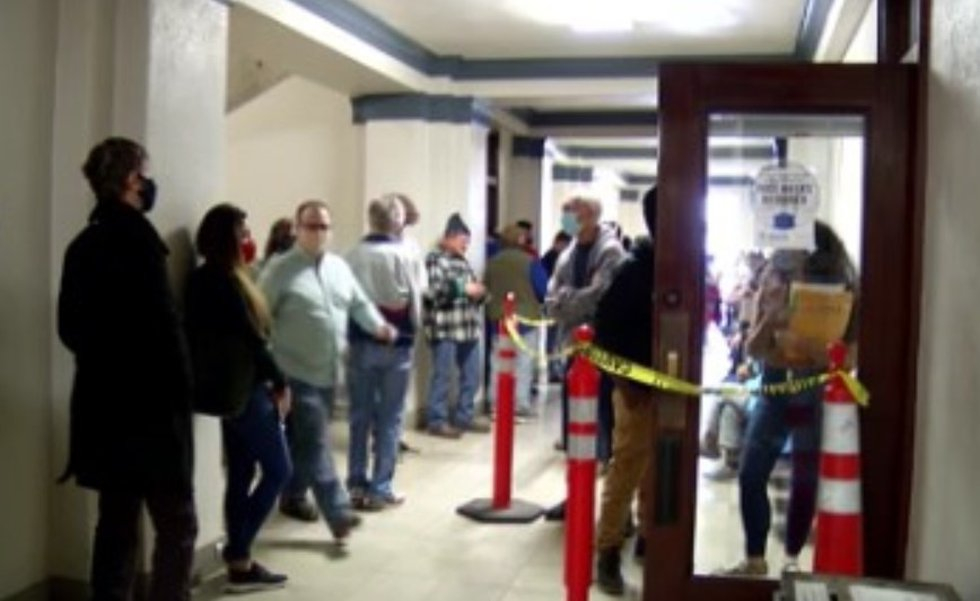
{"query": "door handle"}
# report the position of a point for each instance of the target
(673, 363)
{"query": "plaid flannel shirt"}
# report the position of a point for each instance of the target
(449, 313)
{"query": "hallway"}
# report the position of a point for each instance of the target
(423, 550)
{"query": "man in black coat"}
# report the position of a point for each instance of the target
(130, 433)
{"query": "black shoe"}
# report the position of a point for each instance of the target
(256, 578)
(556, 513)
(340, 528)
(299, 509)
(608, 575)
(640, 548)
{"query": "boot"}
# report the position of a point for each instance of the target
(609, 576)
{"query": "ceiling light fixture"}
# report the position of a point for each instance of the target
(605, 16)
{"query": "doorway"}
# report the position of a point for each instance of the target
(849, 128)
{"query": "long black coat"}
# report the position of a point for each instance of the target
(130, 404)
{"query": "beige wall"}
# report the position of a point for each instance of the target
(296, 141)
(945, 522)
(27, 36)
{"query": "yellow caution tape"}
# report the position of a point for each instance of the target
(624, 368)
(518, 340)
(527, 321)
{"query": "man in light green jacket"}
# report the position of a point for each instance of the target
(312, 294)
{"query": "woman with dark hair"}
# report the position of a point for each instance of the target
(228, 323)
(281, 239)
(786, 357)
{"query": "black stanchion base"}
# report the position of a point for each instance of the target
(519, 512)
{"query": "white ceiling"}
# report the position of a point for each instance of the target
(501, 29)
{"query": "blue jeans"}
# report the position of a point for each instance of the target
(772, 421)
(466, 357)
(309, 445)
(254, 438)
(377, 380)
(523, 372)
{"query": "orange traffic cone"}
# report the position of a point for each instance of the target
(840, 538)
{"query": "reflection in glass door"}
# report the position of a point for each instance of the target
(783, 223)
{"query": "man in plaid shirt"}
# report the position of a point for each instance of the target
(453, 324)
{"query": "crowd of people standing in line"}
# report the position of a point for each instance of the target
(262, 343)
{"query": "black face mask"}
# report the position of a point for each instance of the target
(148, 193)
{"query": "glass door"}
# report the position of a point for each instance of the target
(777, 184)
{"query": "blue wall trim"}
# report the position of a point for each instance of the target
(633, 179)
(629, 195)
(360, 23)
(814, 21)
(419, 107)
(534, 118)
(652, 153)
(524, 146)
(571, 173)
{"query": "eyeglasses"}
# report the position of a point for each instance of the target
(319, 227)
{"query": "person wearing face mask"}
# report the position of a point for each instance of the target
(311, 294)
(237, 380)
(130, 428)
(582, 274)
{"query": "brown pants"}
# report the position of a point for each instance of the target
(631, 446)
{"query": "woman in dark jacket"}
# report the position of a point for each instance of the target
(227, 325)
(130, 431)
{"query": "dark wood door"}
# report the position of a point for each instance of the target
(693, 101)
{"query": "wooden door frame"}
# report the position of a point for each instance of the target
(890, 284)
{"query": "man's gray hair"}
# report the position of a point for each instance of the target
(590, 201)
(386, 215)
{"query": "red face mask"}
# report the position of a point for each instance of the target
(249, 249)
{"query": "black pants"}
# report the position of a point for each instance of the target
(114, 558)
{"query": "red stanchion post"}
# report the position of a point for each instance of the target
(583, 393)
(503, 449)
(501, 508)
(840, 540)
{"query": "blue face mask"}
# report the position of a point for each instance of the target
(148, 193)
(570, 224)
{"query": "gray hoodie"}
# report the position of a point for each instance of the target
(573, 306)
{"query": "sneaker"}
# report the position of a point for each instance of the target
(609, 574)
(340, 529)
(299, 509)
(256, 578)
(478, 425)
(390, 499)
(791, 566)
(445, 431)
(722, 473)
(753, 566)
(528, 413)
(366, 503)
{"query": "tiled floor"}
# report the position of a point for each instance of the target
(423, 550)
